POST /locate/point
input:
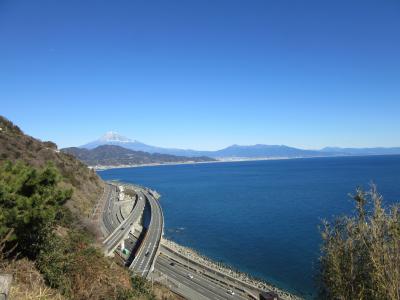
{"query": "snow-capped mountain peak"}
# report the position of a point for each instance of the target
(112, 136)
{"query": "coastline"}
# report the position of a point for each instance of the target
(228, 271)
(238, 159)
(103, 168)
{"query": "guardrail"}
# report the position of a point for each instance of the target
(128, 222)
(213, 271)
(160, 236)
(140, 250)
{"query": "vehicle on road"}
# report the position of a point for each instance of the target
(230, 292)
(190, 276)
(172, 264)
(147, 253)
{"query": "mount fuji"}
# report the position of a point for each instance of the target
(238, 151)
(113, 138)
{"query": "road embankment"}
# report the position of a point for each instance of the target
(240, 278)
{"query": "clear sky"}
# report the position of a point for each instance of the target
(203, 74)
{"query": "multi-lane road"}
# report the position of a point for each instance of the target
(197, 282)
(121, 232)
(144, 259)
(190, 280)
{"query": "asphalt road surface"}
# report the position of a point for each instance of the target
(195, 281)
(121, 231)
(109, 219)
(147, 252)
(188, 282)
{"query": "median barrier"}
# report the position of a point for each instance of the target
(211, 270)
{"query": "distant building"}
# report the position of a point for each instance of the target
(269, 296)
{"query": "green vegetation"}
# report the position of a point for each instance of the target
(361, 254)
(35, 224)
(16, 146)
(45, 199)
(30, 202)
(113, 155)
(80, 271)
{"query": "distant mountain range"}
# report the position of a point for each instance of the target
(362, 151)
(113, 155)
(237, 151)
(113, 138)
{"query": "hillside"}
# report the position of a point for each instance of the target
(112, 155)
(42, 245)
(237, 151)
(87, 186)
(263, 151)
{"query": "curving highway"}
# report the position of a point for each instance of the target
(121, 231)
(183, 276)
(142, 264)
(109, 218)
(193, 280)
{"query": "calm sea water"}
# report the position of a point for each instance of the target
(262, 217)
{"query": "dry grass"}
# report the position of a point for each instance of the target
(161, 292)
(361, 254)
(87, 186)
(89, 274)
(93, 280)
(28, 283)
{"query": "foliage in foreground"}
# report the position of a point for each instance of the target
(30, 202)
(35, 224)
(79, 271)
(361, 254)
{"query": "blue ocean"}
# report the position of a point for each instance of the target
(262, 217)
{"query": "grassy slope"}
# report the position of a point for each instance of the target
(87, 186)
(28, 283)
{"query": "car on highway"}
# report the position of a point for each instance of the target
(172, 264)
(147, 253)
(190, 276)
(230, 292)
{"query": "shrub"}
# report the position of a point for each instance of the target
(79, 271)
(29, 202)
(361, 254)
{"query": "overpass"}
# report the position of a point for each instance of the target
(143, 262)
(121, 227)
(154, 260)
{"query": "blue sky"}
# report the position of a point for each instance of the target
(203, 74)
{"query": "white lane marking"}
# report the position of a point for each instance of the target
(142, 261)
(117, 233)
(190, 283)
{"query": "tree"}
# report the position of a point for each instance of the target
(30, 200)
(361, 253)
